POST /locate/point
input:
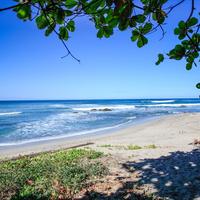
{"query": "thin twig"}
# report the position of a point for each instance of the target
(174, 6)
(63, 42)
(192, 10)
(10, 7)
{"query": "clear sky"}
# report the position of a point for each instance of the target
(31, 67)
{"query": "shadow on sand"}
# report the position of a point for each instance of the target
(176, 176)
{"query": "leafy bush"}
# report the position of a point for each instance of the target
(134, 147)
(48, 175)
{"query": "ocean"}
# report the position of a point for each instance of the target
(28, 121)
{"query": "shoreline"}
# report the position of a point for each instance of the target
(92, 132)
(113, 136)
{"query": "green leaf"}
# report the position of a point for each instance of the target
(132, 22)
(140, 18)
(190, 59)
(109, 16)
(189, 66)
(198, 85)
(123, 25)
(50, 29)
(160, 59)
(176, 31)
(41, 22)
(122, 8)
(71, 3)
(100, 33)
(154, 16)
(192, 21)
(63, 33)
(108, 31)
(94, 5)
(195, 54)
(181, 36)
(71, 26)
(160, 16)
(142, 41)
(24, 12)
(147, 28)
(114, 22)
(68, 13)
(135, 35)
(60, 16)
(181, 24)
(134, 38)
(109, 2)
(21, 14)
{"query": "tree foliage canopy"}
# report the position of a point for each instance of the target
(140, 18)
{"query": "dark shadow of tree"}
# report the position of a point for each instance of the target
(29, 197)
(176, 176)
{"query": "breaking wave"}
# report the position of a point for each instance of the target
(118, 107)
(58, 106)
(174, 105)
(163, 101)
(63, 135)
(9, 113)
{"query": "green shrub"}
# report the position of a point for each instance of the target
(34, 177)
(134, 147)
(151, 146)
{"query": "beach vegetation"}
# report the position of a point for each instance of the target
(133, 147)
(129, 147)
(140, 18)
(50, 175)
(151, 146)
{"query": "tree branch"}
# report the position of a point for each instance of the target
(174, 6)
(192, 10)
(10, 7)
(63, 42)
(15, 6)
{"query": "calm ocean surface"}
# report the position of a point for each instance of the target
(26, 121)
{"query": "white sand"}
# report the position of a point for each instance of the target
(168, 134)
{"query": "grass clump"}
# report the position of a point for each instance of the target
(49, 175)
(151, 146)
(129, 147)
(134, 147)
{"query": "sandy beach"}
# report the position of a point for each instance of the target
(157, 158)
(169, 133)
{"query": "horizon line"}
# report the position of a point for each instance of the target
(170, 98)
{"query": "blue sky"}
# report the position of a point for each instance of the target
(31, 67)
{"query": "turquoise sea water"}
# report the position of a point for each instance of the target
(26, 121)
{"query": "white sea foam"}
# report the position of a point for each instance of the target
(54, 125)
(58, 106)
(174, 105)
(133, 117)
(63, 135)
(117, 107)
(163, 101)
(175, 112)
(9, 113)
